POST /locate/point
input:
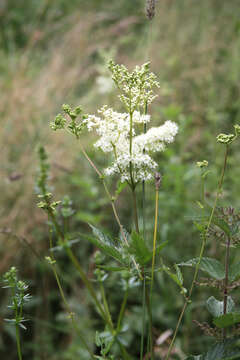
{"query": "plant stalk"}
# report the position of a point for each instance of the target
(105, 304)
(135, 211)
(122, 310)
(225, 293)
(18, 343)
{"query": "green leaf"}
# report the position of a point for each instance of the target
(68, 243)
(105, 243)
(173, 276)
(179, 274)
(234, 272)
(209, 265)
(215, 307)
(161, 246)
(139, 249)
(227, 350)
(120, 187)
(227, 320)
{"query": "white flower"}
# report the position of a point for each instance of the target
(140, 119)
(113, 129)
(156, 137)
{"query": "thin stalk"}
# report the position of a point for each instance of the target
(105, 304)
(219, 189)
(19, 351)
(122, 310)
(124, 352)
(158, 182)
(154, 241)
(225, 296)
(135, 211)
(203, 190)
(150, 337)
(143, 317)
(144, 236)
(130, 153)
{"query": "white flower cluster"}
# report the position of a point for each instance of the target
(113, 129)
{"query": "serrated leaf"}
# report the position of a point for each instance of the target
(105, 243)
(139, 249)
(215, 307)
(227, 320)
(209, 265)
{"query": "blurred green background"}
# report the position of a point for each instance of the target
(54, 52)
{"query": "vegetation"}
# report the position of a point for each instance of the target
(108, 261)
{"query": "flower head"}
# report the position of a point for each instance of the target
(113, 129)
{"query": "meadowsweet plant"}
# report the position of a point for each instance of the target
(18, 298)
(132, 143)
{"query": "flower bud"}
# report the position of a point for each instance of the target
(202, 164)
(225, 138)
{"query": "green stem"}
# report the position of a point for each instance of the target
(148, 302)
(135, 212)
(144, 236)
(124, 352)
(143, 316)
(18, 343)
(219, 189)
(152, 273)
(122, 310)
(105, 304)
(225, 296)
(154, 242)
